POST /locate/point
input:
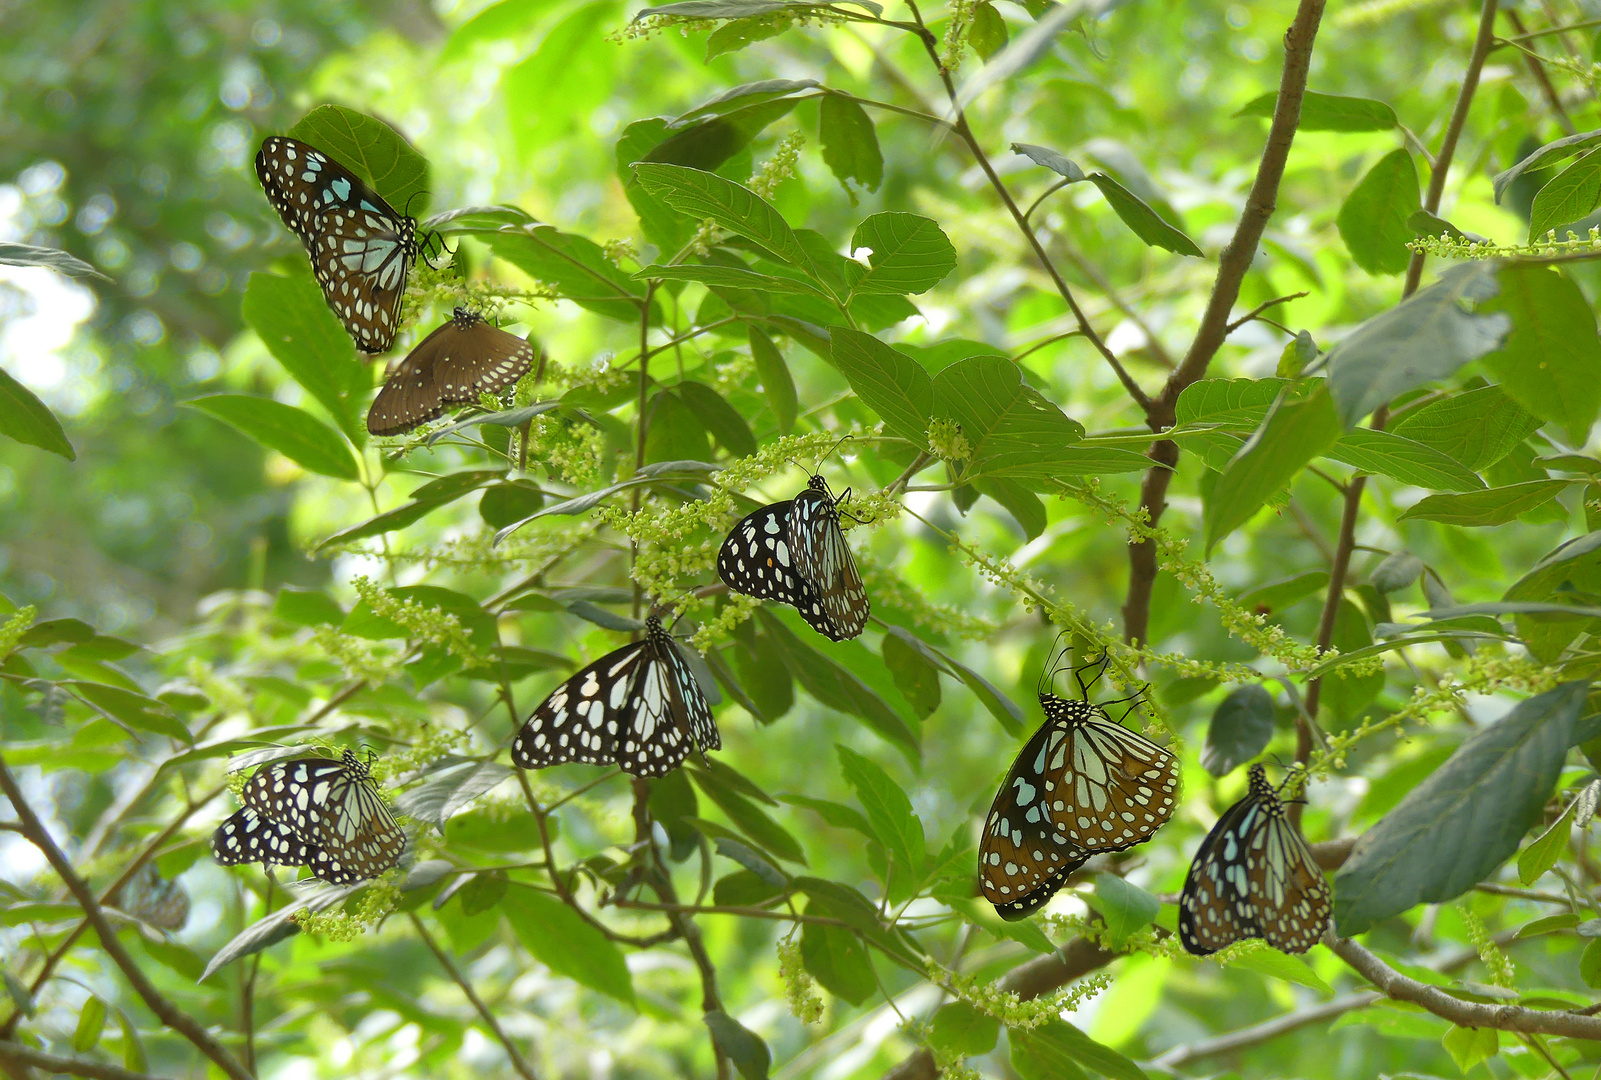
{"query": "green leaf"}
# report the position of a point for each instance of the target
(372, 150)
(750, 819)
(305, 336)
(987, 33)
(1329, 112)
(1024, 506)
(735, 34)
(1549, 925)
(1423, 339)
(1271, 962)
(909, 254)
(1126, 908)
(741, 1045)
(778, 386)
(1013, 429)
(711, 142)
(1240, 729)
(1469, 1046)
(1044, 155)
(1493, 506)
(91, 1022)
(1373, 221)
(889, 382)
(1273, 596)
(1003, 708)
(1549, 154)
(733, 206)
(1590, 964)
(1477, 428)
(718, 417)
(295, 434)
(888, 810)
(1551, 362)
(25, 418)
(51, 258)
(1392, 455)
(838, 961)
(307, 607)
(842, 902)
(1465, 819)
(136, 710)
(1564, 576)
(1344, 694)
(133, 1050)
(673, 431)
(20, 996)
(915, 676)
(1145, 222)
(1568, 196)
(728, 277)
(1542, 855)
(850, 145)
(1045, 1052)
(503, 504)
(961, 1030)
(1232, 403)
(576, 267)
(565, 943)
(1293, 433)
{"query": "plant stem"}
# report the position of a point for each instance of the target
(518, 1062)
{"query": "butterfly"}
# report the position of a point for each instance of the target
(794, 552)
(1254, 876)
(451, 366)
(1082, 785)
(361, 248)
(638, 707)
(314, 812)
(153, 899)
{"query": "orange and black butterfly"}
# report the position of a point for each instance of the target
(1082, 785)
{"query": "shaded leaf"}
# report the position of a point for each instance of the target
(372, 150)
(1293, 433)
(1374, 220)
(888, 810)
(741, 1045)
(303, 334)
(295, 434)
(1012, 428)
(1493, 506)
(1567, 196)
(960, 1029)
(838, 961)
(1241, 726)
(1542, 855)
(1548, 154)
(778, 386)
(1125, 907)
(1551, 362)
(1328, 112)
(25, 418)
(850, 145)
(889, 382)
(909, 254)
(1145, 222)
(561, 940)
(1392, 455)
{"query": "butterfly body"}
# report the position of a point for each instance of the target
(1082, 785)
(361, 248)
(453, 365)
(795, 552)
(314, 812)
(1254, 876)
(638, 707)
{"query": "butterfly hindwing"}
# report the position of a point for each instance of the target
(1111, 787)
(638, 707)
(1253, 876)
(823, 560)
(454, 365)
(756, 560)
(361, 248)
(1023, 857)
(248, 836)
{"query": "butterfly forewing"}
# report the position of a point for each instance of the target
(454, 365)
(1110, 787)
(823, 560)
(247, 836)
(1253, 876)
(1023, 857)
(361, 248)
(638, 707)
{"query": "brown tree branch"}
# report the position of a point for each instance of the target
(1537, 70)
(21, 1058)
(524, 1070)
(165, 1010)
(1393, 984)
(1209, 337)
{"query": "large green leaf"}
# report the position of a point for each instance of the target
(1012, 428)
(888, 810)
(1493, 506)
(838, 961)
(850, 145)
(718, 417)
(1373, 222)
(1551, 362)
(959, 1028)
(1410, 462)
(136, 710)
(1141, 219)
(741, 1045)
(1293, 434)
(710, 141)
(25, 418)
(1240, 728)
(1328, 112)
(1549, 154)
(1568, 196)
(303, 334)
(560, 939)
(295, 434)
(1568, 575)
(1125, 907)
(733, 206)
(1423, 339)
(575, 266)
(778, 385)
(372, 150)
(910, 254)
(1457, 826)
(1477, 428)
(889, 382)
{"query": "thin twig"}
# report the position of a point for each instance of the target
(525, 1070)
(21, 1058)
(714, 909)
(1537, 70)
(164, 1009)
(1258, 309)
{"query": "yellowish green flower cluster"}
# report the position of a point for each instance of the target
(946, 440)
(956, 34)
(569, 449)
(337, 924)
(372, 661)
(430, 743)
(12, 630)
(887, 585)
(422, 621)
(224, 694)
(1501, 969)
(478, 550)
(1481, 674)
(444, 288)
(721, 627)
(1147, 940)
(1007, 1006)
(800, 990)
(778, 168)
(1548, 246)
(620, 251)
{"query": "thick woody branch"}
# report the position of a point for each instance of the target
(20, 1058)
(1214, 328)
(165, 1010)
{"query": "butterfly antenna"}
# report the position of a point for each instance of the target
(1100, 669)
(1053, 664)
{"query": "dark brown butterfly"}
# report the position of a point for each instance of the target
(453, 365)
